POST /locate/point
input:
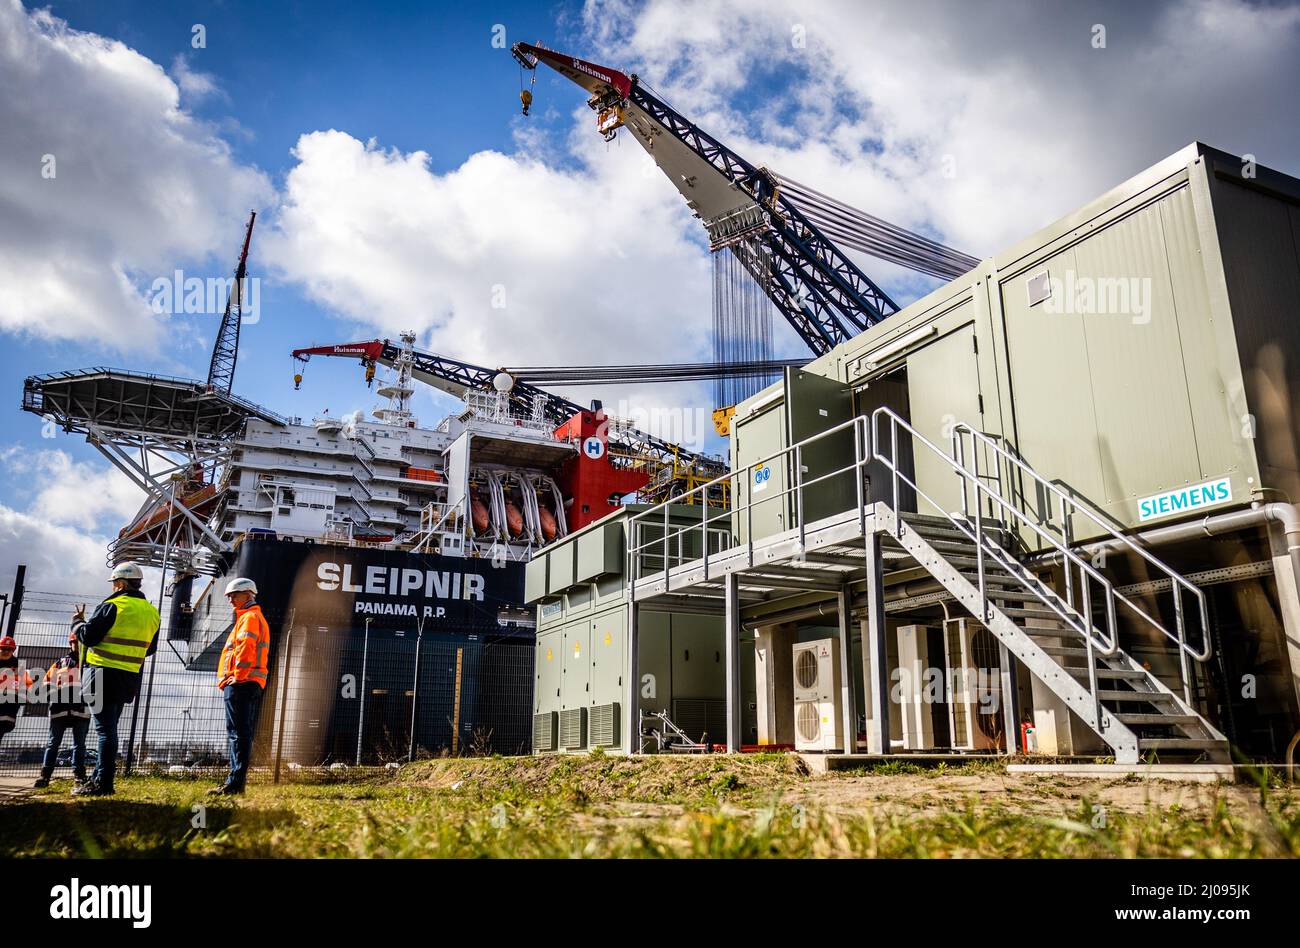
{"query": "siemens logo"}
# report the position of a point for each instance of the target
(1185, 498)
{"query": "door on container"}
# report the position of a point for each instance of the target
(944, 390)
(607, 671)
(576, 667)
(549, 665)
(887, 391)
(760, 500)
(1048, 356)
(814, 404)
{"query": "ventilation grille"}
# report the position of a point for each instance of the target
(701, 716)
(544, 732)
(572, 730)
(808, 722)
(805, 669)
(604, 724)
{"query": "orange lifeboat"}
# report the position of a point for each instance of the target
(514, 519)
(153, 528)
(549, 526)
(479, 515)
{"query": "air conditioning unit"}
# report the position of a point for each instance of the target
(974, 686)
(817, 709)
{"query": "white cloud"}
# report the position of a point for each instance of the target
(59, 558)
(1036, 119)
(194, 85)
(504, 260)
(139, 185)
(70, 511)
(76, 493)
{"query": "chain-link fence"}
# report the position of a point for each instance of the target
(366, 695)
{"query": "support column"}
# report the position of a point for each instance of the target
(1010, 698)
(731, 586)
(1288, 598)
(632, 686)
(875, 651)
(774, 683)
(850, 708)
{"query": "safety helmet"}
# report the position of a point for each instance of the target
(72, 638)
(8, 642)
(241, 585)
(127, 571)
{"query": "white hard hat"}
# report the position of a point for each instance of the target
(241, 585)
(127, 571)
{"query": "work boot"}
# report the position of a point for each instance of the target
(80, 778)
(91, 789)
(41, 782)
(225, 790)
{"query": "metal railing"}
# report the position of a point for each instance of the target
(658, 544)
(657, 520)
(1068, 506)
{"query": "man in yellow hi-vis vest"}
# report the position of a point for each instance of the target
(116, 639)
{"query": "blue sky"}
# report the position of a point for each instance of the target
(398, 187)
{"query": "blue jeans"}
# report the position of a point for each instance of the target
(106, 729)
(59, 726)
(242, 702)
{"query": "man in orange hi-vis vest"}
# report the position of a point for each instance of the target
(241, 675)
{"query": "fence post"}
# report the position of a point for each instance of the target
(282, 699)
(415, 691)
(455, 719)
(361, 694)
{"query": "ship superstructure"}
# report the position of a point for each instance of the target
(482, 482)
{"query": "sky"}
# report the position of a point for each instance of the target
(398, 187)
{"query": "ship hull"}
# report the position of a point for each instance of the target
(381, 655)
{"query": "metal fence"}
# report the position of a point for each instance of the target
(351, 695)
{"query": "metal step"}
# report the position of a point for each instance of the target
(1152, 697)
(1180, 743)
(1170, 719)
(1110, 674)
(1064, 650)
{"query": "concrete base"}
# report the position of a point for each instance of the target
(1060, 767)
(1190, 773)
(822, 763)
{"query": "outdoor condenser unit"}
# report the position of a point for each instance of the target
(817, 696)
(973, 685)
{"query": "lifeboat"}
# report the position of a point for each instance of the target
(153, 527)
(514, 519)
(549, 526)
(479, 515)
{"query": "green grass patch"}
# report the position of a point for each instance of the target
(607, 806)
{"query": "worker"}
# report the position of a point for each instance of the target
(117, 638)
(14, 682)
(67, 713)
(241, 675)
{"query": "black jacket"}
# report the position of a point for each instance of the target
(65, 701)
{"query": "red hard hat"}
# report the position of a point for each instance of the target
(8, 642)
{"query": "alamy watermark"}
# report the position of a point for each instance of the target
(177, 294)
(1094, 296)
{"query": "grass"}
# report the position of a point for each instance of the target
(606, 806)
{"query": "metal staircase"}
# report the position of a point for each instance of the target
(994, 534)
(1068, 638)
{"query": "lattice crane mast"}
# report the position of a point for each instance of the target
(225, 351)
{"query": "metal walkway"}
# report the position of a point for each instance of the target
(1062, 623)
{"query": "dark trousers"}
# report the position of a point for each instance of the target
(106, 730)
(58, 727)
(242, 702)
